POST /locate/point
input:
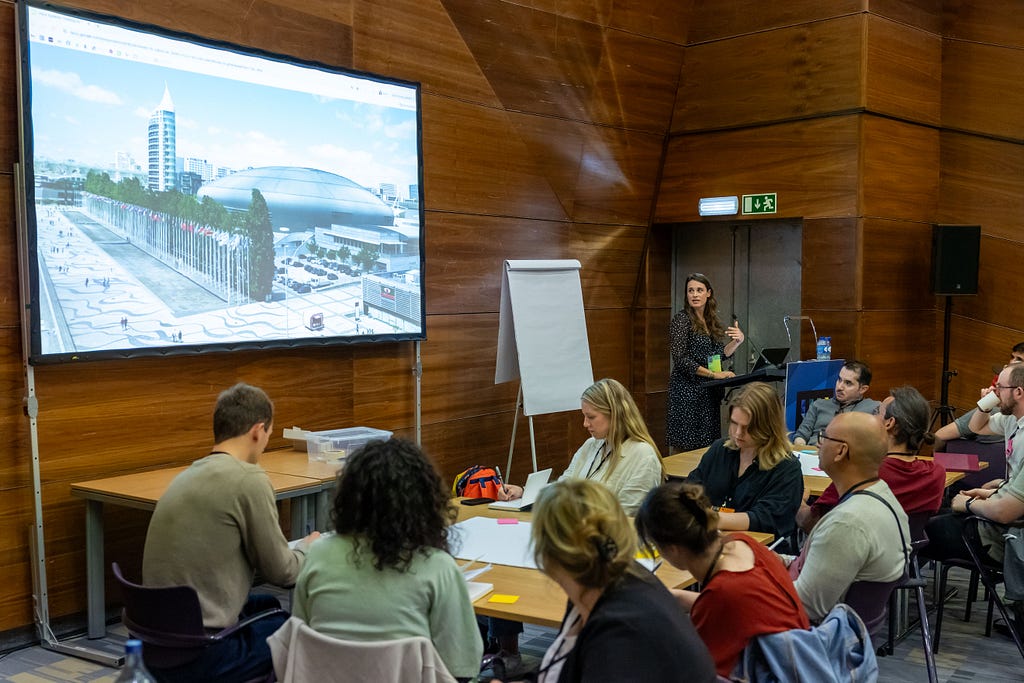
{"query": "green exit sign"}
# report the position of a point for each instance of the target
(760, 203)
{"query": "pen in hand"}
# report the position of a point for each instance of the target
(501, 480)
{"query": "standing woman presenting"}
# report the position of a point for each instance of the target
(697, 343)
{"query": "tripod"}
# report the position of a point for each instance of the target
(944, 412)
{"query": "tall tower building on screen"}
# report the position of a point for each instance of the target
(162, 136)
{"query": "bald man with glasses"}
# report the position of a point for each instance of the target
(864, 537)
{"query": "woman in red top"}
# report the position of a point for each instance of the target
(746, 590)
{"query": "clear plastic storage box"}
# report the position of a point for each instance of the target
(335, 445)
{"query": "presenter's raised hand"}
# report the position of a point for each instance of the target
(735, 333)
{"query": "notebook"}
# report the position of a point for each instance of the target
(771, 356)
(534, 483)
(958, 462)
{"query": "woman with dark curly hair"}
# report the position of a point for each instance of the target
(386, 573)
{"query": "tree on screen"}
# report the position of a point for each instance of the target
(261, 249)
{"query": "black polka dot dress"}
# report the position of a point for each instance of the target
(693, 409)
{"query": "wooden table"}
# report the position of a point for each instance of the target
(313, 510)
(681, 464)
(541, 600)
(142, 490)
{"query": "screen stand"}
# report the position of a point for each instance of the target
(37, 546)
(417, 372)
(512, 443)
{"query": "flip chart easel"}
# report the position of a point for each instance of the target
(542, 340)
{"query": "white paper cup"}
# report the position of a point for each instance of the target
(988, 401)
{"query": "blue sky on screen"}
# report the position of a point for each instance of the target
(86, 107)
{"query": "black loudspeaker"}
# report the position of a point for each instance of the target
(955, 250)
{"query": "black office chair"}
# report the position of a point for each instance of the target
(169, 622)
(990, 575)
(870, 600)
(916, 583)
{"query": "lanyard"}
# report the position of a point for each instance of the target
(594, 470)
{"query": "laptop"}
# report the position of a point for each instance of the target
(534, 483)
(775, 356)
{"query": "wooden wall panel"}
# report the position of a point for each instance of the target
(1000, 283)
(891, 343)
(974, 78)
(474, 162)
(801, 71)
(904, 71)
(998, 22)
(315, 31)
(813, 165)
(890, 279)
(977, 351)
(900, 172)
(461, 277)
(842, 325)
(549, 64)
(831, 278)
(921, 14)
(982, 182)
(713, 20)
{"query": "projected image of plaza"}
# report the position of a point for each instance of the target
(175, 207)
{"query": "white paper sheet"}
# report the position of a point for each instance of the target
(484, 540)
(809, 464)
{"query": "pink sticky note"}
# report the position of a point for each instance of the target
(508, 520)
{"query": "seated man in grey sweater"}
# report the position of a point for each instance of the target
(864, 537)
(851, 387)
(214, 527)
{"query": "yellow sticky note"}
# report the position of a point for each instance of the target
(504, 599)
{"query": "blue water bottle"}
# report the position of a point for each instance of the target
(824, 350)
(134, 671)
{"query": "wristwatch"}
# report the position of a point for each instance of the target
(967, 506)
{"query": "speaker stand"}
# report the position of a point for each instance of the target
(944, 413)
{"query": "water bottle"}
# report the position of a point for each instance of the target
(134, 671)
(824, 349)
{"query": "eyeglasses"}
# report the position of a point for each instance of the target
(997, 387)
(823, 435)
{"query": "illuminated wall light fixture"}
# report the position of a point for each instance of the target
(719, 206)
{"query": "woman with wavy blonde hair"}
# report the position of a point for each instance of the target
(752, 477)
(621, 623)
(620, 452)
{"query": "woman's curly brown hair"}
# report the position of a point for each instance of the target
(389, 497)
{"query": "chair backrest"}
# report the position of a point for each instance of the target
(168, 620)
(870, 600)
(301, 654)
(836, 651)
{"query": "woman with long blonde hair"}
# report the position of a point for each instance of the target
(752, 477)
(620, 453)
